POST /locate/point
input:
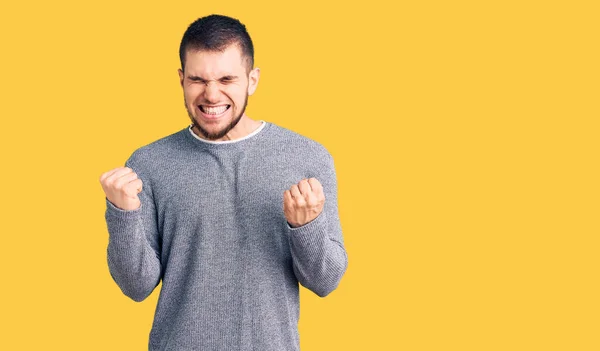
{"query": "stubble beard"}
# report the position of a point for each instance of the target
(218, 135)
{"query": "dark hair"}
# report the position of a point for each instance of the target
(216, 33)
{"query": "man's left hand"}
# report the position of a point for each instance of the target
(303, 202)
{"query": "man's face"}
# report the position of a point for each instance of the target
(216, 86)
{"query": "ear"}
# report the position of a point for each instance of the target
(253, 80)
(180, 76)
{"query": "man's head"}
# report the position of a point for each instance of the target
(215, 33)
(217, 74)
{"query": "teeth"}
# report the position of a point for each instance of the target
(214, 110)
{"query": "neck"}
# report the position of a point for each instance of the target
(245, 126)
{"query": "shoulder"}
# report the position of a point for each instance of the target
(298, 143)
(156, 150)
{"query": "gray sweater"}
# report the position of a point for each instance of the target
(211, 226)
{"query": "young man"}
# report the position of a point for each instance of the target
(229, 212)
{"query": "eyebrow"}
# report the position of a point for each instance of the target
(200, 79)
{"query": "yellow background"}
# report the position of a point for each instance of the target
(465, 138)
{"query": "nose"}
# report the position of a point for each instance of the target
(211, 92)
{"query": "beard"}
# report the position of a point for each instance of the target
(221, 133)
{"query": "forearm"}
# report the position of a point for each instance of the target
(319, 261)
(132, 262)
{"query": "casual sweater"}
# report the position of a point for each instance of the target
(211, 226)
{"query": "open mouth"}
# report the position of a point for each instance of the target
(213, 111)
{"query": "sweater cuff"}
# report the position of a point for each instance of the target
(123, 225)
(318, 226)
(120, 214)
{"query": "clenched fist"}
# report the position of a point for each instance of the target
(303, 202)
(121, 186)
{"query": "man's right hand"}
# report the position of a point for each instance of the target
(121, 186)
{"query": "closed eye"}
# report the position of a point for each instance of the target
(196, 79)
(227, 79)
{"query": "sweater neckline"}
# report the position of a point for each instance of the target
(256, 134)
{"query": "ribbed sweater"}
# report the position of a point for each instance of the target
(211, 226)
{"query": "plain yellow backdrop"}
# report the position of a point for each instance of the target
(465, 138)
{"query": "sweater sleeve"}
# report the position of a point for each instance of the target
(133, 251)
(318, 255)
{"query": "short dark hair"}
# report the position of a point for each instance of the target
(216, 33)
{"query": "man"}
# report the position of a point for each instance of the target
(230, 213)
